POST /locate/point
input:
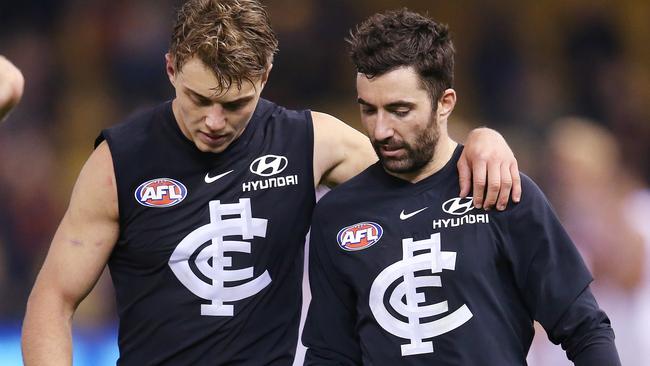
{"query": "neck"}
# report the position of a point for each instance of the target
(441, 155)
(177, 119)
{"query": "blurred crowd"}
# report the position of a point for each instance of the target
(566, 82)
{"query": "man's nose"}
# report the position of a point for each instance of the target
(383, 127)
(215, 118)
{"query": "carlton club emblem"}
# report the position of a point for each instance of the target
(213, 262)
(410, 304)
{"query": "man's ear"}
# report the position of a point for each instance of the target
(170, 68)
(265, 76)
(446, 103)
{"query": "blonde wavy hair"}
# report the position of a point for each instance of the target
(232, 37)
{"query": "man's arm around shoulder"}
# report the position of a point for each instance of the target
(77, 256)
(340, 151)
(487, 163)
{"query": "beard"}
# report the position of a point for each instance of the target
(416, 154)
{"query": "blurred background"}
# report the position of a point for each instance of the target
(567, 83)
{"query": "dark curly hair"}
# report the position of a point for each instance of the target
(402, 38)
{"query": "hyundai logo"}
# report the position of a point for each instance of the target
(269, 165)
(458, 206)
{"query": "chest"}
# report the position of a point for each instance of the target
(438, 246)
(252, 199)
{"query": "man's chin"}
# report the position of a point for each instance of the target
(398, 166)
(206, 148)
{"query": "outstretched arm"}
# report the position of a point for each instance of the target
(11, 87)
(76, 259)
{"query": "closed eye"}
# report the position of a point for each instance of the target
(401, 113)
(199, 100)
(234, 106)
(368, 111)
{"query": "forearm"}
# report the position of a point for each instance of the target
(600, 351)
(47, 331)
(586, 334)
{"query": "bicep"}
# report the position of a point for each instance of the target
(340, 151)
(548, 269)
(86, 235)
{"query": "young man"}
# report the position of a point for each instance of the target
(200, 207)
(403, 271)
(11, 87)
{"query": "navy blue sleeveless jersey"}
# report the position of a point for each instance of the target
(411, 274)
(208, 265)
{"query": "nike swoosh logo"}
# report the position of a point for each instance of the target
(404, 216)
(209, 179)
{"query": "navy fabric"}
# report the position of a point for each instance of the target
(267, 169)
(490, 275)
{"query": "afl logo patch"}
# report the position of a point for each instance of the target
(160, 192)
(359, 236)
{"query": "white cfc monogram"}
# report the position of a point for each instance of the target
(430, 258)
(243, 224)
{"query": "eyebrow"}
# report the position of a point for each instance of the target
(363, 102)
(243, 99)
(393, 105)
